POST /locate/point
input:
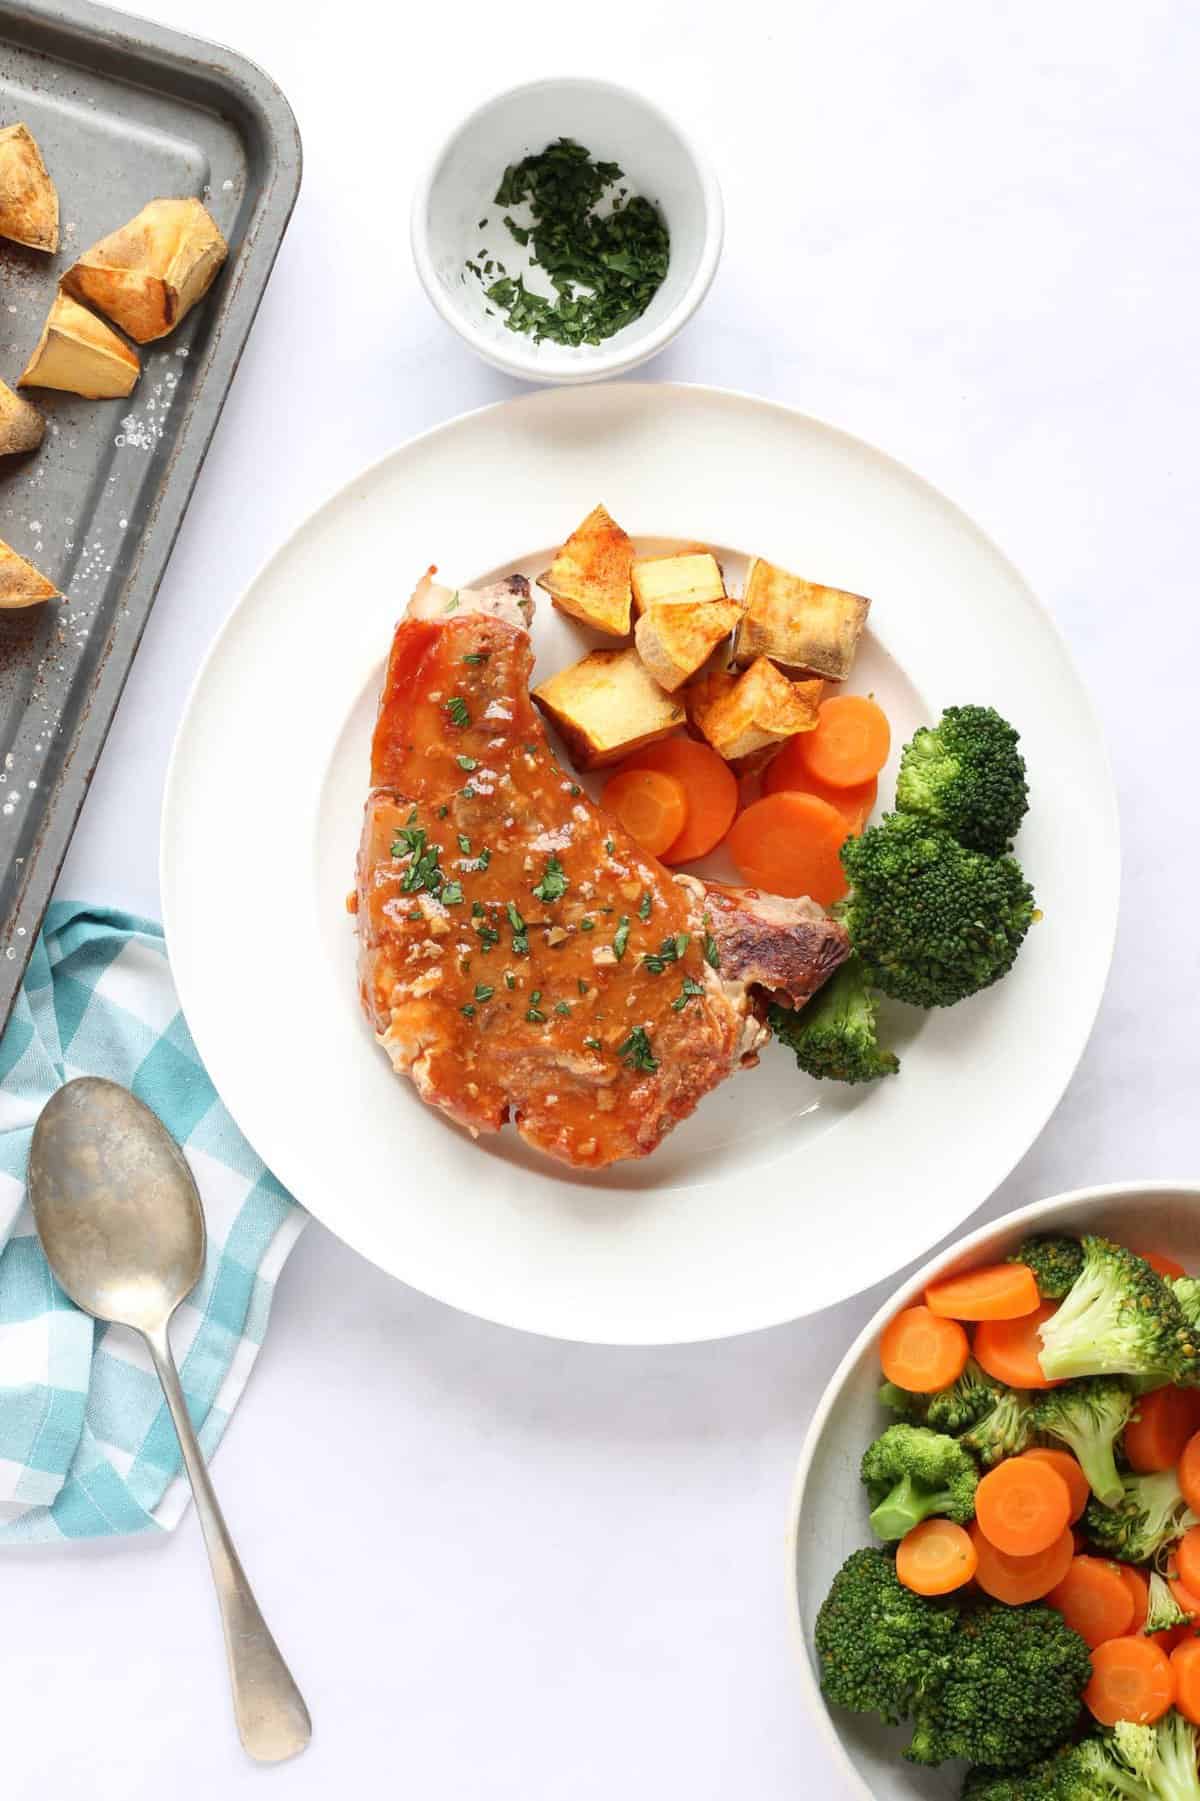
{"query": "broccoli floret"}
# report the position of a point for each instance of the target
(911, 1473)
(1086, 1772)
(1033, 1784)
(1014, 1690)
(834, 1036)
(1055, 1262)
(1088, 1416)
(950, 1409)
(956, 1408)
(932, 921)
(966, 775)
(882, 1649)
(1004, 1431)
(1162, 1757)
(1098, 1761)
(1163, 1611)
(1186, 1290)
(1119, 1318)
(1150, 1514)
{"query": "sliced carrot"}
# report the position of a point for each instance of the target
(1186, 1560)
(1069, 1470)
(921, 1352)
(788, 844)
(1139, 1588)
(1185, 1598)
(1168, 1637)
(1161, 1264)
(1189, 1472)
(653, 808)
(1016, 1580)
(787, 772)
(1093, 1600)
(1159, 1427)
(850, 742)
(1008, 1348)
(998, 1291)
(711, 789)
(1022, 1506)
(1132, 1679)
(1185, 1663)
(935, 1558)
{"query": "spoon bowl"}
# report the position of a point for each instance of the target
(115, 1204)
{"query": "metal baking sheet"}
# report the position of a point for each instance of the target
(124, 111)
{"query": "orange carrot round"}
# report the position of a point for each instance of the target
(935, 1558)
(1016, 1580)
(788, 844)
(1139, 1590)
(1022, 1506)
(850, 742)
(998, 1291)
(922, 1353)
(1185, 1597)
(1093, 1600)
(1186, 1560)
(1185, 1665)
(1072, 1475)
(653, 808)
(1161, 1264)
(1189, 1472)
(1132, 1679)
(709, 784)
(787, 772)
(1008, 1349)
(1159, 1427)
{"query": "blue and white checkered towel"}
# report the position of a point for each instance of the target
(86, 1445)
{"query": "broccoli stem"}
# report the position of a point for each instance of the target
(905, 1507)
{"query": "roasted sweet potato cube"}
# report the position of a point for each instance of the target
(28, 197)
(757, 709)
(21, 425)
(687, 576)
(589, 578)
(675, 638)
(149, 274)
(607, 705)
(798, 624)
(21, 585)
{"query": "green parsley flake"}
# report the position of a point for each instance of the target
(669, 951)
(510, 980)
(644, 906)
(464, 844)
(535, 1016)
(562, 1007)
(488, 936)
(587, 925)
(468, 1010)
(467, 763)
(636, 1051)
(456, 707)
(581, 985)
(476, 656)
(712, 955)
(553, 884)
(593, 1044)
(484, 991)
(451, 895)
(621, 937)
(688, 992)
(609, 846)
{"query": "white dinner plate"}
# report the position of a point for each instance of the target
(781, 1195)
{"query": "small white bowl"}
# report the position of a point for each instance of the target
(829, 1513)
(615, 125)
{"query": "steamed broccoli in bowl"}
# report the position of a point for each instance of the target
(1119, 1318)
(911, 1473)
(1088, 1417)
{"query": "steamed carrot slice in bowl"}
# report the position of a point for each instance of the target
(1008, 1350)
(997, 1291)
(1132, 1679)
(1185, 1666)
(1018, 1580)
(1094, 1601)
(1022, 1506)
(1189, 1472)
(935, 1558)
(921, 1352)
(1069, 1470)
(1159, 1428)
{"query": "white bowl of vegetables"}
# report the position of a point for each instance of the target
(1017, 1644)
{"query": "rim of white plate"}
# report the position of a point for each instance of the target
(750, 1318)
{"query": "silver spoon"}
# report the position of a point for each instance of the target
(122, 1227)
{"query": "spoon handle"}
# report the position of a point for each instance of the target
(272, 1718)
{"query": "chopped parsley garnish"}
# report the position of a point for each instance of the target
(604, 269)
(712, 955)
(488, 936)
(636, 1051)
(593, 1044)
(644, 906)
(581, 985)
(621, 937)
(510, 980)
(456, 707)
(609, 846)
(514, 917)
(467, 763)
(451, 895)
(464, 964)
(687, 993)
(574, 790)
(423, 870)
(587, 925)
(476, 656)
(481, 862)
(563, 1007)
(553, 884)
(535, 1016)
(478, 909)
(669, 951)
(468, 793)
(442, 812)
(452, 603)
(484, 991)
(468, 1010)
(464, 844)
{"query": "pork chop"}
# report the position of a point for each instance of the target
(519, 957)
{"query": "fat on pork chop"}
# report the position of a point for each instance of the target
(520, 959)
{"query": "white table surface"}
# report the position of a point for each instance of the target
(514, 1570)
